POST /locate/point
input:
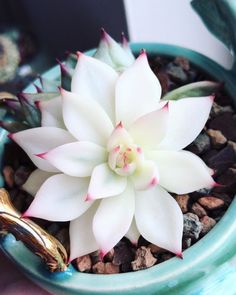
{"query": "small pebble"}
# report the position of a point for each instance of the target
(83, 263)
(165, 256)
(143, 259)
(187, 242)
(201, 144)
(218, 110)
(223, 159)
(95, 256)
(229, 180)
(210, 202)
(207, 224)
(122, 253)
(109, 256)
(99, 267)
(198, 210)
(111, 268)
(225, 123)
(8, 174)
(156, 249)
(182, 200)
(21, 175)
(164, 81)
(192, 226)
(183, 62)
(217, 138)
(176, 73)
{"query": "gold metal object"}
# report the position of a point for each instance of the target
(32, 235)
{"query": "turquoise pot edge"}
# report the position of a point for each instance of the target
(213, 254)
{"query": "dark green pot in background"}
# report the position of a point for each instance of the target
(209, 267)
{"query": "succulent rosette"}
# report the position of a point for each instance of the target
(109, 151)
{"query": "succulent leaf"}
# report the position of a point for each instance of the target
(196, 89)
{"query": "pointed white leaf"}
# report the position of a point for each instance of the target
(102, 53)
(51, 112)
(105, 183)
(95, 80)
(145, 176)
(181, 172)
(77, 158)
(85, 118)
(133, 234)
(159, 219)
(187, 117)
(119, 136)
(138, 92)
(60, 198)
(126, 48)
(35, 180)
(113, 219)
(40, 140)
(121, 59)
(82, 240)
(149, 130)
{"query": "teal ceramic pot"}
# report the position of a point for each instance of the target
(208, 267)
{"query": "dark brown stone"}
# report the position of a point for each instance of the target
(226, 124)
(228, 181)
(198, 210)
(182, 200)
(224, 159)
(123, 253)
(210, 202)
(21, 175)
(165, 82)
(109, 256)
(143, 259)
(156, 249)
(207, 224)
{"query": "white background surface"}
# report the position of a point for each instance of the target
(173, 22)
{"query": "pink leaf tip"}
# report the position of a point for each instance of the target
(124, 40)
(102, 254)
(10, 136)
(154, 181)
(180, 255)
(119, 125)
(212, 97)
(38, 89)
(166, 106)
(88, 198)
(37, 104)
(104, 35)
(216, 184)
(143, 52)
(24, 215)
(79, 54)
(41, 155)
(61, 90)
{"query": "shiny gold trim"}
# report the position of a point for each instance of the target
(32, 235)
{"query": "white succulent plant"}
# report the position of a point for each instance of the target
(110, 150)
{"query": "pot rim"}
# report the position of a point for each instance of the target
(202, 258)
